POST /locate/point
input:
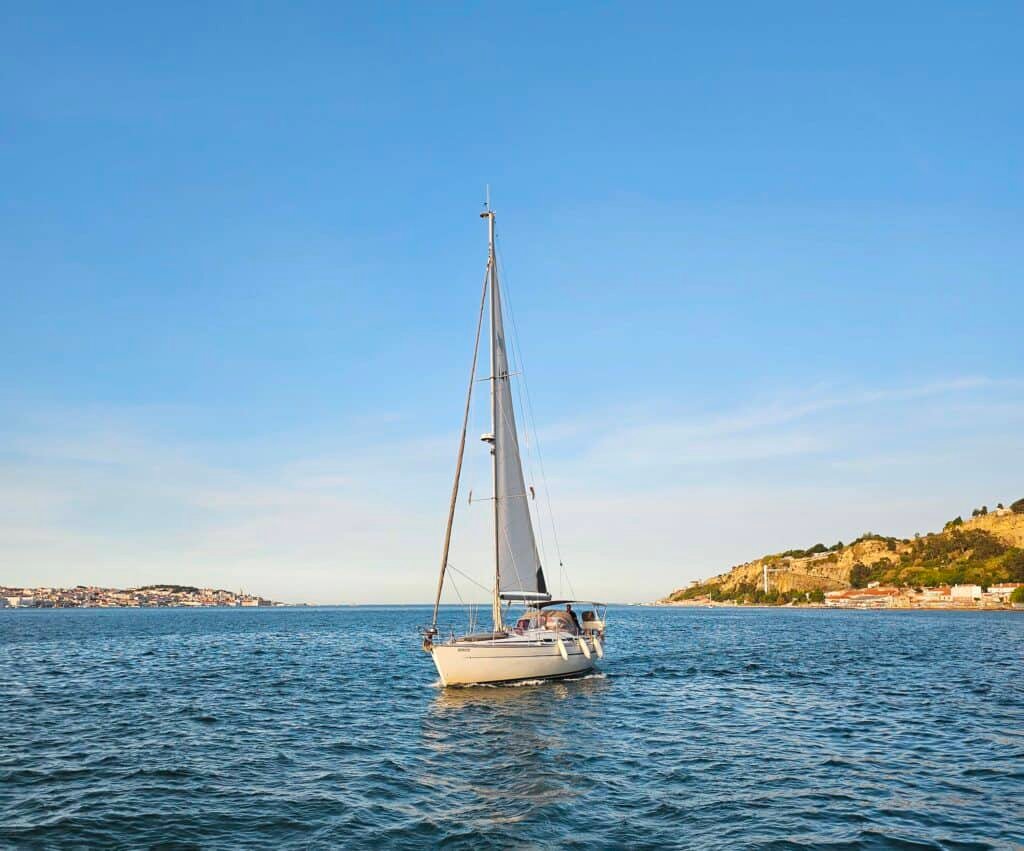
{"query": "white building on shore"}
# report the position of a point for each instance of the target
(965, 592)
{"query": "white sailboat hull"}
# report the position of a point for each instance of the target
(507, 661)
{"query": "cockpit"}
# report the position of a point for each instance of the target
(553, 620)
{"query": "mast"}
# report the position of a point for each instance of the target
(492, 266)
(518, 572)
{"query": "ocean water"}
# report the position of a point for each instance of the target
(325, 728)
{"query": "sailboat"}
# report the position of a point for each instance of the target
(546, 639)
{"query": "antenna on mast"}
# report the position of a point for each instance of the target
(487, 203)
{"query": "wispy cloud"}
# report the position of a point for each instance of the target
(116, 499)
(779, 428)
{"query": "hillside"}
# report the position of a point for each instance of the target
(983, 550)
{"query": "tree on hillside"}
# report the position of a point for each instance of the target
(1018, 595)
(958, 544)
(1017, 507)
(1013, 565)
(859, 575)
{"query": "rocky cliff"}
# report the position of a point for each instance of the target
(984, 548)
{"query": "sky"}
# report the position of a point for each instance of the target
(764, 262)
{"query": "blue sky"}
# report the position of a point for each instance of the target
(764, 262)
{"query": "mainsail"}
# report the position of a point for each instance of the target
(520, 575)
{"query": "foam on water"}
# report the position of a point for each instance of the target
(326, 728)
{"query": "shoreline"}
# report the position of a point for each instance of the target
(659, 604)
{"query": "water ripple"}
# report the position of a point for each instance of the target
(322, 728)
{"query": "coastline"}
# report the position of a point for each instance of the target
(690, 604)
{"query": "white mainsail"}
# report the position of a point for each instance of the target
(520, 575)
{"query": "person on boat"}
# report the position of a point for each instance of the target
(572, 615)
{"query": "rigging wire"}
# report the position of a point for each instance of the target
(563, 573)
(517, 358)
(462, 447)
(502, 531)
(516, 355)
(468, 578)
(472, 606)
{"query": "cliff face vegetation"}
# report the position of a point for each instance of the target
(983, 550)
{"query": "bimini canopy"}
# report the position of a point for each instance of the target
(547, 603)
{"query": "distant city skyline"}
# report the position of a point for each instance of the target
(764, 268)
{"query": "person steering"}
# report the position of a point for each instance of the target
(572, 614)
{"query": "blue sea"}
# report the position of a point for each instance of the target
(325, 728)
